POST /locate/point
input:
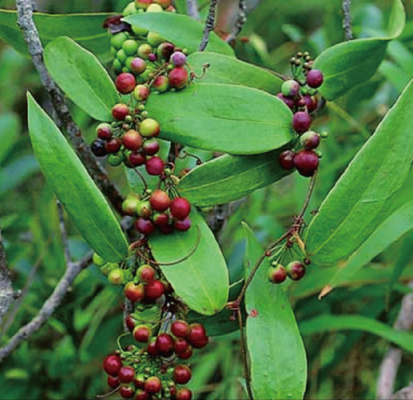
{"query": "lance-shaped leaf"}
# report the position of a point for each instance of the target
(86, 29)
(348, 64)
(198, 272)
(179, 29)
(225, 69)
(354, 208)
(228, 118)
(277, 355)
(228, 178)
(81, 76)
(83, 201)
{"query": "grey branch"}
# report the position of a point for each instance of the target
(347, 19)
(62, 115)
(6, 289)
(404, 394)
(241, 20)
(55, 299)
(392, 360)
(63, 232)
(192, 9)
(209, 25)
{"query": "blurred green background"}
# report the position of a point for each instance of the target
(63, 360)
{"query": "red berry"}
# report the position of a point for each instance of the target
(181, 345)
(137, 159)
(277, 274)
(143, 4)
(295, 270)
(165, 50)
(200, 343)
(142, 395)
(139, 381)
(286, 160)
(161, 83)
(154, 166)
(112, 364)
(161, 219)
(151, 147)
(127, 374)
(125, 83)
(146, 273)
(310, 102)
(120, 111)
(153, 385)
(152, 349)
(134, 292)
(182, 374)
(166, 229)
(180, 328)
(113, 381)
(306, 162)
(137, 65)
(154, 290)
(132, 140)
(142, 333)
(165, 345)
(183, 394)
(197, 336)
(178, 78)
(287, 100)
(113, 145)
(104, 131)
(183, 225)
(130, 322)
(127, 392)
(301, 122)
(180, 208)
(141, 92)
(159, 200)
(310, 140)
(314, 78)
(184, 355)
(144, 226)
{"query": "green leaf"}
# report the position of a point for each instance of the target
(348, 64)
(277, 355)
(227, 118)
(225, 69)
(83, 201)
(82, 77)
(179, 29)
(86, 29)
(353, 208)
(216, 325)
(228, 178)
(332, 323)
(9, 132)
(201, 278)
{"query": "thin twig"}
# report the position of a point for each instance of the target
(63, 232)
(245, 356)
(347, 19)
(6, 288)
(61, 110)
(308, 197)
(391, 361)
(192, 9)
(48, 307)
(209, 25)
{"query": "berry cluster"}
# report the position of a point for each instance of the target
(277, 273)
(157, 210)
(299, 95)
(151, 371)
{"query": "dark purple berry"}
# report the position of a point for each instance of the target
(306, 162)
(144, 226)
(286, 160)
(295, 270)
(98, 148)
(314, 78)
(310, 102)
(151, 147)
(287, 100)
(154, 166)
(301, 122)
(182, 225)
(310, 140)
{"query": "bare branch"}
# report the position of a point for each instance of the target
(209, 25)
(403, 394)
(347, 19)
(62, 115)
(192, 9)
(6, 289)
(63, 232)
(49, 306)
(391, 362)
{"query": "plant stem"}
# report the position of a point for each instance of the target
(7, 294)
(347, 19)
(245, 355)
(209, 25)
(192, 9)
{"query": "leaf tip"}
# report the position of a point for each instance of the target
(325, 291)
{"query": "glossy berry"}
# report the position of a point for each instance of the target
(290, 88)
(180, 208)
(182, 225)
(144, 50)
(125, 83)
(180, 328)
(295, 270)
(154, 8)
(314, 78)
(134, 292)
(310, 140)
(130, 322)
(301, 122)
(159, 200)
(152, 349)
(120, 111)
(130, 204)
(165, 344)
(142, 395)
(277, 275)
(178, 78)
(137, 159)
(98, 148)
(287, 100)
(181, 345)
(183, 394)
(132, 140)
(161, 219)
(127, 374)
(197, 336)
(185, 355)
(151, 147)
(112, 364)
(129, 47)
(144, 226)
(161, 83)
(200, 343)
(113, 382)
(182, 374)
(178, 59)
(127, 392)
(149, 128)
(142, 333)
(154, 289)
(165, 50)
(116, 277)
(144, 209)
(153, 385)
(141, 92)
(286, 160)
(143, 4)
(306, 162)
(137, 65)
(310, 102)
(146, 273)
(104, 131)
(139, 381)
(113, 145)
(154, 166)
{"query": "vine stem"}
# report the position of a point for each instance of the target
(209, 25)
(347, 19)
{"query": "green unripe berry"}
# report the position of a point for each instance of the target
(126, 69)
(130, 9)
(117, 40)
(144, 50)
(113, 51)
(116, 277)
(155, 39)
(128, 63)
(141, 92)
(115, 159)
(108, 267)
(290, 88)
(139, 31)
(98, 260)
(130, 47)
(121, 56)
(149, 128)
(154, 8)
(117, 66)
